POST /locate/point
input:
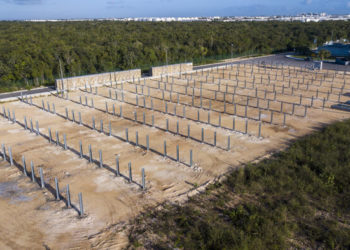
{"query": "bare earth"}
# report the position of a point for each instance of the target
(33, 219)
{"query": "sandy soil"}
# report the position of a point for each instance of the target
(32, 218)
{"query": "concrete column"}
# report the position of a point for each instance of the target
(81, 206)
(66, 114)
(90, 154)
(106, 104)
(215, 138)
(73, 116)
(177, 153)
(81, 149)
(152, 120)
(246, 126)
(147, 142)
(32, 171)
(42, 182)
(167, 124)
(126, 134)
(121, 111)
(93, 123)
(130, 172)
(101, 126)
(24, 165)
(137, 138)
(65, 141)
(202, 135)
(101, 160)
(191, 158)
(57, 190)
(165, 154)
(10, 155)
(50, 136)
(57, 139)
(68, 197)
(228, 143)
(53, 109)
(188, 131)
(271, 121)
(37, 127)
(143, 179)
(117, 166)
(219, 120)
(144, 117)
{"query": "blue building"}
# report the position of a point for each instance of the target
(336, 49)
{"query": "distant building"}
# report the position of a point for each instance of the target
(336, 49)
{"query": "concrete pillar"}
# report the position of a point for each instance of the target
(130, 172)
(101, 160)
(177, 153)
(24, 165)
(10, 155)
(66, 114)
(202, 135)
(152, 120)
(246, 126)
(37, 127)
(271, 121)
(106, 104)
(147, 142)
(32, 171)
(50, 136)
(42, 182)
(219, 120)
(214, 138)
(117, 166)
(101, 126)
(93, 123)
(143, 179)
(228, 143)
(57, 190)
(68, 197)
(188, 131)
(65, 141)
(191, 158)
(137, 138)
(127, 134)
(165, 154)
(167, 124)
(90, 154)
(57, 139)
(81, 149)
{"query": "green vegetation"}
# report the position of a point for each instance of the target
(299, 198)
(30, 52)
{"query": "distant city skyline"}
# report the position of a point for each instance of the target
(75, 9)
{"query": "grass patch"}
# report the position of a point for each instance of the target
(299, 198)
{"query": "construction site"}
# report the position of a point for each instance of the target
(82, 161)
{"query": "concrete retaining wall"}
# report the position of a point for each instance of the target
(171, 69)
(72, 83)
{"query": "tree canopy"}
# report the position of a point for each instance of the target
(30, 51)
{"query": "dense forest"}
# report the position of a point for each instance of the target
(31, 53)
(297, 199)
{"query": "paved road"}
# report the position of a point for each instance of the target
(26, 92)
(281, 59)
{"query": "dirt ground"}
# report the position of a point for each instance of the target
(32, 217)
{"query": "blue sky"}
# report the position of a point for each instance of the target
(53, 9)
